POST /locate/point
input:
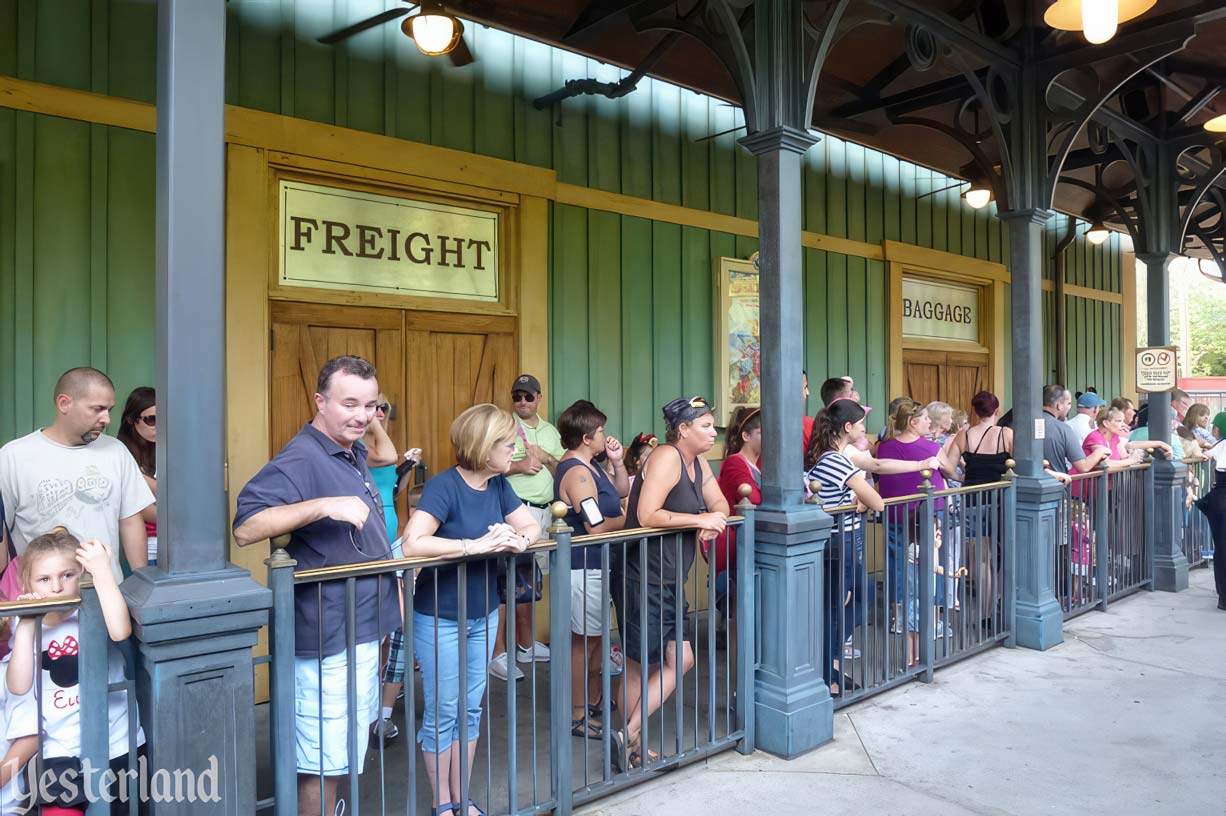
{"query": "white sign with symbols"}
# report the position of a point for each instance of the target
(940, 311)
(1157, 369)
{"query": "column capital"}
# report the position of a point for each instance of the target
(1033, 214)
(779, 138)
(1152, 258)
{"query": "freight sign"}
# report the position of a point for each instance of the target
(940, 311)
(1157, 369)
(332, 238)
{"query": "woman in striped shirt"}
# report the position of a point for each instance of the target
(840, 483)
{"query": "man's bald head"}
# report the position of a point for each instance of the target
(77, 382)
(84, 398)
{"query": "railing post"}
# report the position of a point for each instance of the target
(926, 541)
(1009, 542)
(1102, 535)
(281, 681)
(92, 668)
(1038, 615)
(1164, 544)
(792, 706)
(746, 628)
(559, 662)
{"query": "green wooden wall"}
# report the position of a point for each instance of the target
(631, 311)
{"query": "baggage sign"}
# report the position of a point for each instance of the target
(1157, 369)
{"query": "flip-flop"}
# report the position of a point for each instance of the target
(587, 727)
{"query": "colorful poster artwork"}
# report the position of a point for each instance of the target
(744, 342)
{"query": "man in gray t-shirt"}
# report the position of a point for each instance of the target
(1061, 448)
(71, 474)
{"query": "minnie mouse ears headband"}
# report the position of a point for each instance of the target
(644, 439)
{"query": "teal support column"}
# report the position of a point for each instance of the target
(1165, 543)
(196, 615)
(1039, 619)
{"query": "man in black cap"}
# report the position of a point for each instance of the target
(538, 447)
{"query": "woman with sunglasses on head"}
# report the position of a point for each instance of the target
(381, 458)
(676, 489)
(138, 431)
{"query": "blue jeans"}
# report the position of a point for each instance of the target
(440, 676)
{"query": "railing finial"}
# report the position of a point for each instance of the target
(1010, 473)
(558, 510)
(927, 483)
(814, 488)
(744, 491)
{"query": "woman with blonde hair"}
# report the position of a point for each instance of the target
(468, 513)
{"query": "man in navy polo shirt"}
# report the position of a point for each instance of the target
(319, 491)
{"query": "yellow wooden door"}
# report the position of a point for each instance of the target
(305, 336)
(454, 362)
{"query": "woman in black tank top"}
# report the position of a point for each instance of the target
(675, 489)
(985, 447)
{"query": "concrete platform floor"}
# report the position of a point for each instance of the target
(1127, 716)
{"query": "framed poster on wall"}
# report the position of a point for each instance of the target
(738, 340)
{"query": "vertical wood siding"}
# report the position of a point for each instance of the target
(631, 308)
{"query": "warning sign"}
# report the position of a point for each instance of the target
(1157, 369)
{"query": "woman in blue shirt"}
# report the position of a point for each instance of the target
(468, 513)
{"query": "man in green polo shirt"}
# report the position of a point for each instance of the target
(538, 447)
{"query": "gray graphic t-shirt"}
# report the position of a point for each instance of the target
(87, 488)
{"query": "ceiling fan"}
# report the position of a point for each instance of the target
(431, 28)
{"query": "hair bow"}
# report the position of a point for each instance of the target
(68, 649)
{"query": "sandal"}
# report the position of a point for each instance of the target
(588, 727)
(446, 809)
(474, 806)
(635, 759)
(597, 708)
(618, 745)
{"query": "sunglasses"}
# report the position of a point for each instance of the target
(150, 421)
(523, 396)
(385, 407)
(698, 402)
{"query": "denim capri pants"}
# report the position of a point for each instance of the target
(440, 676)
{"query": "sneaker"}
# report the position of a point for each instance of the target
(896, 626)
(615, 661)
(850, 652)
(498, 668)
(943, 630)
(539, 652)
(385, 729)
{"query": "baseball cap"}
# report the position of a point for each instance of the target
(528, 383)
(1090, 400)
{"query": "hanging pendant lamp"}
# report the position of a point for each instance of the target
(1098, 20)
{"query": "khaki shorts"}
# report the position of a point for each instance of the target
(587, 602)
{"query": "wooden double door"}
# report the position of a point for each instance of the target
(431, 367)
(948, 376)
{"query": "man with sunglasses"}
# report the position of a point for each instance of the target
(538, 447)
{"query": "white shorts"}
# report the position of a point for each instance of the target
(544, 518)
(587, 602)
(334, 724)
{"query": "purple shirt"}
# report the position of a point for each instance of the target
(904, 484)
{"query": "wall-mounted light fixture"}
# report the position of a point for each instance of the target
(433, 30)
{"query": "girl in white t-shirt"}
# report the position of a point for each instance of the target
(20, 744)
(51, 567)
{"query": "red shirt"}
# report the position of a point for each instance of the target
(734, 472)
(808, 423)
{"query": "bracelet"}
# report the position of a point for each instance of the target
(464, 543)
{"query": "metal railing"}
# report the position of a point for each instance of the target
(87, 661)
(884, 624)
(1197, 538)
(532, 750)
(1082, 529)
(1129, 565)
